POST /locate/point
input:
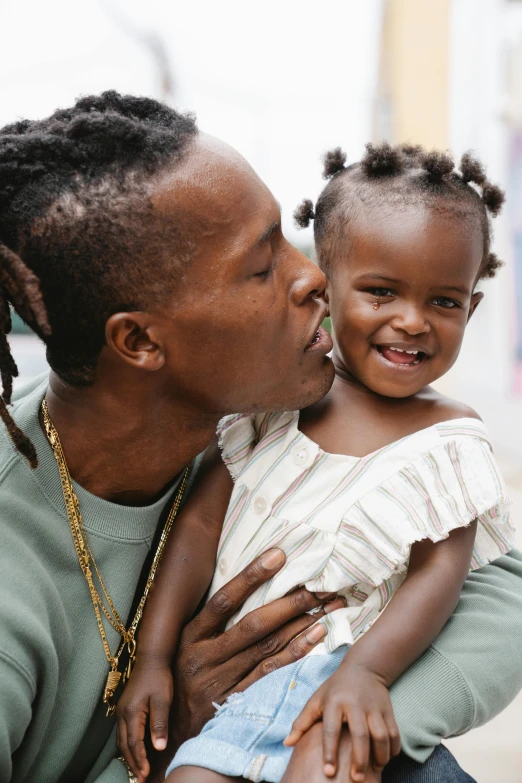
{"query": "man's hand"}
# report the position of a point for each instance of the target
(357, 697)
(212, 663)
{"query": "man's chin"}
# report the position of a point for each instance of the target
(312, 389)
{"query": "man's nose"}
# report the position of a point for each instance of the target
(309, 282)
(411, 319)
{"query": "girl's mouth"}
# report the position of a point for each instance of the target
(401, 358)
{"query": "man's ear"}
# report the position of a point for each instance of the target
(134, 338)
(476, 299)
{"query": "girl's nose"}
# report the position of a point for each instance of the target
(411, 320)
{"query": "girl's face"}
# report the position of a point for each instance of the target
(401, 297)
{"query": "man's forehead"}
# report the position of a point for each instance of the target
(210, 162)
(211, 181)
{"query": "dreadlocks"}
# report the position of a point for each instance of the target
(79, 239)
(405, 174)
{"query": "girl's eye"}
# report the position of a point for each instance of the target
(381, 292)
(443, 301)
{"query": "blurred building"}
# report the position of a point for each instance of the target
(450, 76)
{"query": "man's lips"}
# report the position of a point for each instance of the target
(319, 338)
(321, 341)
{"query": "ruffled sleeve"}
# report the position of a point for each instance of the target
(238, 436)
(448, 487)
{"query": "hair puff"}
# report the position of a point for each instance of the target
(472, 169)
(304, 213)
(437, 163)
(489, 269)
(334, 162)
(411, 150)
(493, 197)
(382, 159)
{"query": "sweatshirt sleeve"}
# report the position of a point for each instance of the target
(473, 670)
(16, 696)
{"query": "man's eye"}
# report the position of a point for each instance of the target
(381, 292)
(265, 273)
(443, 301)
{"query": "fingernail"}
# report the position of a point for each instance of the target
(333, 605)
(329, 770)
(160, 744)
(316, 633)
(326, 596)
(272, 559)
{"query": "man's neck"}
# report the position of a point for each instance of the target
(124, 444)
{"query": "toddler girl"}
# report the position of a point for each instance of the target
(384, 489)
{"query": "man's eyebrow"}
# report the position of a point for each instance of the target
(267, 233)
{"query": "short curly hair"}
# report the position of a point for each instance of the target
(403, 174)
(79, 238)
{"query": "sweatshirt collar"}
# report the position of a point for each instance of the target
(136, 523)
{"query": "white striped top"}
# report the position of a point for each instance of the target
(347, 523)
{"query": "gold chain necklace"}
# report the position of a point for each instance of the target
(86, 560)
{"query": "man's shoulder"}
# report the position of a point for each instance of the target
(26, 532)
(24, 407)
(29, 388)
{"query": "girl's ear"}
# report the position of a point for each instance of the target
(476, 299)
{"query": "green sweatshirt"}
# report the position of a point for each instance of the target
(53, 667)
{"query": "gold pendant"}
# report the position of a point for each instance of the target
(113, 680)
(131, 647)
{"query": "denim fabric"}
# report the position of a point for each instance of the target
(245, 737)
(441, 767)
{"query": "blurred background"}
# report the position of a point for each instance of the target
(285, 81)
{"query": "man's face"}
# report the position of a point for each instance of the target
(241, 329)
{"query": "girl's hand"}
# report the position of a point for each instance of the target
(358, 697)
(147, 696)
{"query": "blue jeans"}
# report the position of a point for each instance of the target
(441, 767)
(245, 737)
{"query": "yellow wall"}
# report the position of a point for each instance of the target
(414, 71)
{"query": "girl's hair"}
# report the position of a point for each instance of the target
(404, 174)
(79, 239)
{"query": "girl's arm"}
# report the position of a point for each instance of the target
(357, 693)
(181, 582)
(473, 669)
(188, 562)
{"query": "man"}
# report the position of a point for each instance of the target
(150, 259)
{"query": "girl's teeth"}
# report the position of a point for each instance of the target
(401, 351)
(387, 350)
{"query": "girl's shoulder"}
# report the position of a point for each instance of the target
(434, 416)
(437, 408)
(437, 422)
